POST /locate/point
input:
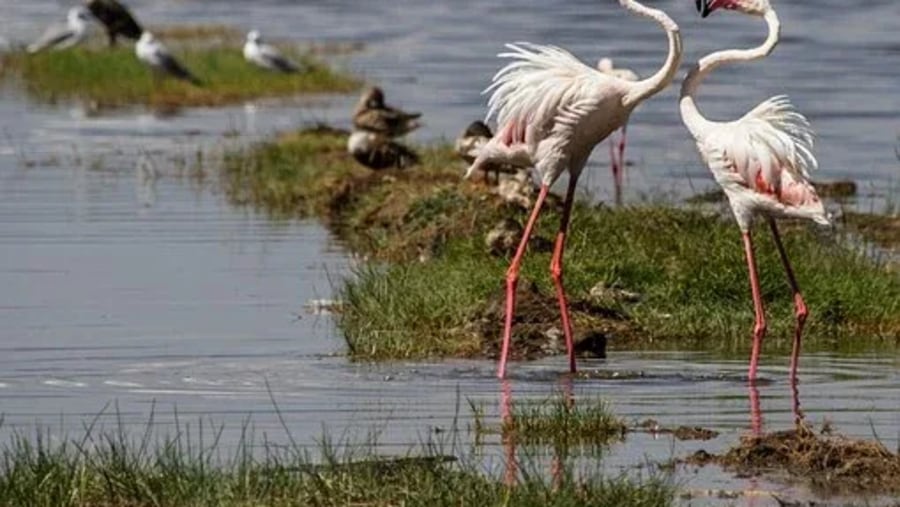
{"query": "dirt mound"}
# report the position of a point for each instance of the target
(830, 463)
(537, 330)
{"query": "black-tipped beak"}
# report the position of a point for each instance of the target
(703, 8)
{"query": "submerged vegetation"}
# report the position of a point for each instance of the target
(110, 77)
(441, 293)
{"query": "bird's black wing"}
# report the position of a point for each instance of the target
(176, 69)
(116, 17)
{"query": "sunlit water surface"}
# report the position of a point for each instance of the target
(147, 291)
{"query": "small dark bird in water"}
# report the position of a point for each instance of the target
(377, 151)
(373, 115)
(468, 144)
(116, 18)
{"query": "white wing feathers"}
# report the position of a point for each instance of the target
(542, 84)
(777, 128)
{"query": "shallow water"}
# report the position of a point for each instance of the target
(147, 290)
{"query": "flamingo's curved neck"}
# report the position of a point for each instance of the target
(657, 82)
(689, 112)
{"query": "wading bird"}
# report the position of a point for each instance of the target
(59, 36)
(116, 18)
(266, 56)
(152, 52)
(551, 111)
(617, 147)
(761, 161)
(377, 151)
(373, 115)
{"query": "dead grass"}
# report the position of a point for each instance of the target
(832, 464)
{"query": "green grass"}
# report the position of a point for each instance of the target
(114, 77)
(559, 421)
(438, 291)
(115, 469)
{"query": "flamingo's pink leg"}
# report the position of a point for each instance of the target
(759, 329)
(795, 402)
(800, 310)
(508, 437)
(616, 169)
(755, 412)
(556, 270)
(512, 279)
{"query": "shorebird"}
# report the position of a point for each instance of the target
(266, 56)
(476, 135)
(552, 110)
(154, 53)
(617, 148)
(116, 18)
(761, 161)
(377, 151)
(59, 36)
(373, 115)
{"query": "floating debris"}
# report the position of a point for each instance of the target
(323, 306)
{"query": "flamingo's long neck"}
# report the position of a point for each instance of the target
(657, 82)
(690, 115)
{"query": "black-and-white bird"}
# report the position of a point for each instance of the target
(377, 151)
(116, 18)
(373, 115)
(61, 36)
(154, 53)
(472, 139)
(266, 56)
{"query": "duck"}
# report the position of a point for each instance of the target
(378, 151)
(373, 115)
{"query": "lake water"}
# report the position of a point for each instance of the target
(154, 293)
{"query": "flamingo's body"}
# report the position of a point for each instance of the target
(267, 56)
(617, 147)
(65, 36)
(762, 162)
(551, 111)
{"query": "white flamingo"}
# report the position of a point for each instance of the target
(617, 147)
(761, 161)
(552, 110)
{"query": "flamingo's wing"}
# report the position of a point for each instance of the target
(768, 151)
(544, 90)
(543, 85)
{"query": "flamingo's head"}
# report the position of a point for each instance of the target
(752, 7)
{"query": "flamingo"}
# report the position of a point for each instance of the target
(761, 161)
(551, 111)
(617, 159)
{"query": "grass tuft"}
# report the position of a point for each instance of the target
(114, 468)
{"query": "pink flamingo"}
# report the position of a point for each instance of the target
(617, 148)
(552, 110)
(761, 161)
